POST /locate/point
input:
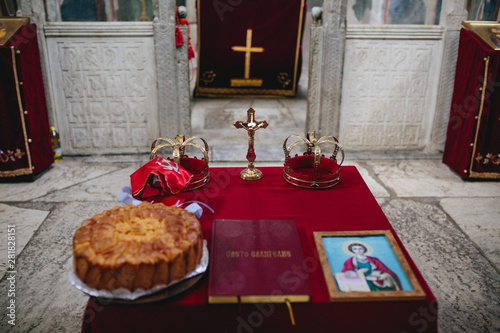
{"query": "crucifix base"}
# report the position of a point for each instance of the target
(250, 173)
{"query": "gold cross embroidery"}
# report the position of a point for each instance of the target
(248, 49)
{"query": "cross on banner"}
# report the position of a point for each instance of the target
(248, 49)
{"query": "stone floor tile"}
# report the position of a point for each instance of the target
(61, 175)
(25, 222)
(449, 230)
(429, 178)
(479, 219)
(46, 301)
(103, 188)
(266, 103)
(375, 187)
(462, 280)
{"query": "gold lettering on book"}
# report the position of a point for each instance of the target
(236, 254)
(259, 254)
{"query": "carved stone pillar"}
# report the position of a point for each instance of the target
(325, 72)
(314, 79)
(172, 67)
(452, 14)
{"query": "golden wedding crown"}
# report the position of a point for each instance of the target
(312, 169)
(197, 167)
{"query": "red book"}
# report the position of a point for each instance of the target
(256, 261)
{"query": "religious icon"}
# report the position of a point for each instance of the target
(365, 265)
(10, 27)
(364, 271)
(495, 36)
(487, 31)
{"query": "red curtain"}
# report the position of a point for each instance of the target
(472, 146)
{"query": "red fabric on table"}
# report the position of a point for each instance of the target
(159, 176)
(465, 106)
(347, 206)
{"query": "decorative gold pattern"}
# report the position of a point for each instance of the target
(489, 158)
(208, 77)
(284, 79)
(10, 155)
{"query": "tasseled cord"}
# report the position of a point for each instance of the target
(290, 311)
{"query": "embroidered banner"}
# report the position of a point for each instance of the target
(25, 146)
(472, 146)
(249, 47)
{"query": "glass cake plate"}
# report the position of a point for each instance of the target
(139, 296)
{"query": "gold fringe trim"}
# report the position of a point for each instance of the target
(228, 92)
(15, 173)
(483, 92)
(484, 175)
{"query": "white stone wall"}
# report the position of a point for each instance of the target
(105, 95)
(389, 87)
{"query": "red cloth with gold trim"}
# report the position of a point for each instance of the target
(25, 145)
(249, 47)
(159, 177)
(472, 147)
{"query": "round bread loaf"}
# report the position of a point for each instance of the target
(137, 247)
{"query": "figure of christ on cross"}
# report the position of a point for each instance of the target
(251, 125)
(248, 49)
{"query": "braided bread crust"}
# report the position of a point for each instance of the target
(137, 247)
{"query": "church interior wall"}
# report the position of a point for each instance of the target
(102, 82)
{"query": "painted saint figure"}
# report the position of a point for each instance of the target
(495, 36)
(376, 274)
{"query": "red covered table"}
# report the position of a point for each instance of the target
(348, 206)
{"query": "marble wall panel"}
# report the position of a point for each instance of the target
(387, 93)
(106, 101)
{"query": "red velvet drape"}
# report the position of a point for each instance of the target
(472, 149)
(38, 153)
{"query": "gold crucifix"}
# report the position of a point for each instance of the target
(251, 125)
(248, 49)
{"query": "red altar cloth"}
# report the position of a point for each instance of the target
(249, 47)
(348, 206)
(472, 146)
